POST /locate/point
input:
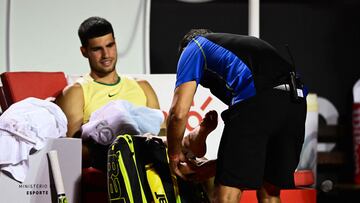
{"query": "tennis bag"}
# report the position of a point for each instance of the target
(138, 172)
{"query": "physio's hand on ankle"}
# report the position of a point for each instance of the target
(177, 164)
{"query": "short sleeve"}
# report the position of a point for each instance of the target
(190, 65)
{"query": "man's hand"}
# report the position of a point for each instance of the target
(179, 166)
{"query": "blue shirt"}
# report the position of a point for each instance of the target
(206, 62)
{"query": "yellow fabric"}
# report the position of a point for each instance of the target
(156, 185)
(97, 94)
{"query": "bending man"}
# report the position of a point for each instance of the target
(264, 124)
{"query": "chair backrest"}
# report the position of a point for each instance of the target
(17, 86)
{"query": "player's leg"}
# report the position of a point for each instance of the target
(195, 141)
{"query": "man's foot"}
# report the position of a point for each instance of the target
(209, 123)
(196, 140)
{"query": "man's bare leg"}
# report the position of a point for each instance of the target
(195, 141)
(226, 194)
(268, 193)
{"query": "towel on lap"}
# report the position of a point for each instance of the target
(121, 117)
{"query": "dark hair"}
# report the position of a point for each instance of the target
(94, 27)
(190, 35)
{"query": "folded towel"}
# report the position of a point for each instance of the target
(121, 117)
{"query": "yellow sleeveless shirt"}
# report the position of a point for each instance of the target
(98, 94)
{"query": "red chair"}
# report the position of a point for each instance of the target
(17, 86)
(94, 186)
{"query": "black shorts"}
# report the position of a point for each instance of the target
(261, 141)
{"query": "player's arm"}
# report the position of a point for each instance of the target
(151, 98)
(71, 101)
(178, 113)
(176, 122)
(152, 101)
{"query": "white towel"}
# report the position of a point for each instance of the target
(121, 117)
(24, 126)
